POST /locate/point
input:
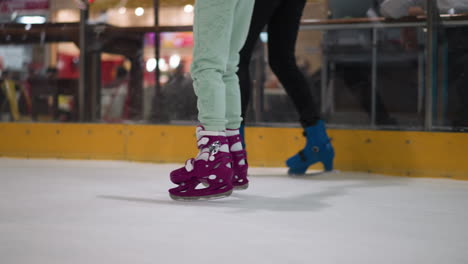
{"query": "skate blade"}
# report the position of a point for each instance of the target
(318, 173)
(235, 188)
(295, 174)
(241, 187)
(201, 198)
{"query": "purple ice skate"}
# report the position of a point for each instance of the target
(212, 168)
(239, 157)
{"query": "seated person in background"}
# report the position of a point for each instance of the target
(355, 73)
(400, 8)
(457, 39)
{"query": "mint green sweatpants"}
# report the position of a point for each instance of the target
(220, 30)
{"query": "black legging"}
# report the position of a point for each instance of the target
(283, 20)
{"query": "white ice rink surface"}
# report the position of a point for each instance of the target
(68, 212)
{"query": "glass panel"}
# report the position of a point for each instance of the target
(451, 103)
(129, 90)
(123, 80)
(353, 82)
(45, 78)
(177, 104)
(400, 77)
(365, 84)
(39, 60)
(39, 82)
(348, 63)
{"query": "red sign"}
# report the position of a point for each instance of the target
(10, 6)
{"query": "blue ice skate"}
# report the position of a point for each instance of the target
(318, 149)
(242, 133)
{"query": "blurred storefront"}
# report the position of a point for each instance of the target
(138, 56)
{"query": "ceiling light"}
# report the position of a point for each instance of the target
(188, 8)
(151, 64)
(174, 61)
(139, 11)
(31, 20)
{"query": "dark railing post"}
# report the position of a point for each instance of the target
(83, 80)
(431, 63)
(259, 81)
(157, 55)
(374, 77)
(324, 79)
(94, 86)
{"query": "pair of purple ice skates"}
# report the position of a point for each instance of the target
(220, 166)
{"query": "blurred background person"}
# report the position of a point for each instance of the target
(354, 69)
(115, 96)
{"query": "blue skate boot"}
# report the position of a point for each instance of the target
(318, 149)
(242, 134)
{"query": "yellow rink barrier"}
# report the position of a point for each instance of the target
(416, 154)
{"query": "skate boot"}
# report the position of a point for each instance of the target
(212, 167)
(239, 160)
(242, 134)
(318, 149)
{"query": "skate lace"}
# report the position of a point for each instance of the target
(214, 148)
(208, 151)
(211, 150)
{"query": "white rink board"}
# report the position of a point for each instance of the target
(118, 212)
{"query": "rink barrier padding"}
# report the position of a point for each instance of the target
(400, 153)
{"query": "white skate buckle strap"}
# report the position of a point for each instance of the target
(189, 165)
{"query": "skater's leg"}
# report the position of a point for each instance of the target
(263, 10)
(213, 25)
(283, 29)
(241, 21)
(213, 166)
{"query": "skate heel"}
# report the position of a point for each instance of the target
(242, 134)
(239, 158)
(241, 187)
(328, 157)
(328, 165)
